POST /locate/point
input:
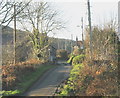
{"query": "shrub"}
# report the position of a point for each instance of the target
(13, 73)
(97, 80)
(69, 87)
(8, 93)
(99, 76)
(78, 59)
(70, 60)
(75, 72)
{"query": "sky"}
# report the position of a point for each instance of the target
(102, 11)
(71, 11)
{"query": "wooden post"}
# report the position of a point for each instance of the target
(71, 43)
(90, 28)
(14, 35)
(82, 32)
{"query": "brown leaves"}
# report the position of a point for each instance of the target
(12, 73)
(97, 80)
(100, 71)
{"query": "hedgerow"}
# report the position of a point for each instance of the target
(78, 59)
(69, 87)
(98, 75)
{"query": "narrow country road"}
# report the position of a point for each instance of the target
(46, 85)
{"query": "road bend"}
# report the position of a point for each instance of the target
(46, 85)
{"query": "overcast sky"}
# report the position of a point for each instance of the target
(71, 11)
(102, 11)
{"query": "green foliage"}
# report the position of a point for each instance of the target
(7, 93)
(78, 59)
(70, 60)
(65, 91)
(70, 86)
(75, 72)
(40, 43)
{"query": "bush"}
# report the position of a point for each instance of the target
(62, 54)
(8, 93)
(13, 73)
(75, 72)
(69, 87)
(70, 60)
(78, 59)
(96, 80)
(77, 51)
(99, 76)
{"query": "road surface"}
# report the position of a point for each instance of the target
(46, 85)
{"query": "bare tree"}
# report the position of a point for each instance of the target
(6, 11)
(42, 20)
(41, 17)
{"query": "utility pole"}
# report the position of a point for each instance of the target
(90, 29)
(14, 34)
(71, 43)
(65, 44)
(58, 43)
(1, 48)
(82, 32)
